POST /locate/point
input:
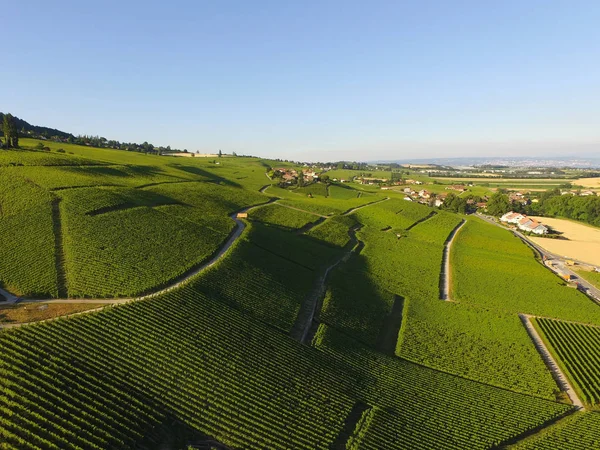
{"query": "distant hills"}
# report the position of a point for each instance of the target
(26, 129)
(510, 161)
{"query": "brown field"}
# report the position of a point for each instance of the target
(588, 182)
(583, 243)
(34, 312)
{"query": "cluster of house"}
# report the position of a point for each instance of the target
(424, 196)
(289, 176)
(524, 223)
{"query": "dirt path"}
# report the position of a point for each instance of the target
(557, 372)
(445, 273)
(16, 325)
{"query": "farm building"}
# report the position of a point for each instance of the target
(524, 223)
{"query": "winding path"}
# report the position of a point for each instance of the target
(233, 237)
(557, 372)
(445, 273)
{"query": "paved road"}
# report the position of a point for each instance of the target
(554, 262)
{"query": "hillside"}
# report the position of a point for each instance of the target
(25, 128)
(312, 319)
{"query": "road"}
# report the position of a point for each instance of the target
(555, 263)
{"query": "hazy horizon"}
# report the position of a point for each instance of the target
(315, 81)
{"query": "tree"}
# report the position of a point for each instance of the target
(498, 204)
(9, 127)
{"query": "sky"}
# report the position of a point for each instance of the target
(312, 80)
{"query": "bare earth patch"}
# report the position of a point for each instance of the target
(34, 312)
(583, 240)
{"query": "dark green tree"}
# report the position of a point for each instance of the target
(9, 128)
(498, 204)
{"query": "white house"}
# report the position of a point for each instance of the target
(512, 217)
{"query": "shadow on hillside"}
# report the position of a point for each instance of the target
(117, 171)
(211, 177)
(356, 306)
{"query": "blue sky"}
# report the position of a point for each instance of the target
(314, 79)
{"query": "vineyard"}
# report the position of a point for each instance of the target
(284, 217)
(405, 397)
(395, 214)
(107, 257)
(257, 282)
(27, 263)
(334, 231)
(354, 303)
(577, 348)
(386, 363)
(514, 281)
(13, 158)
(579, 431)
